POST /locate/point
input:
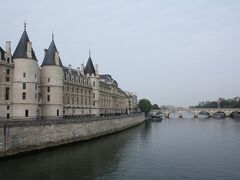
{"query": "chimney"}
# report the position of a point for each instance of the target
(69, 68)
(29, 49)
(82, 68)
(96, 68)
(57, 57)
(8, 47)
(45, 52)
(78, 70)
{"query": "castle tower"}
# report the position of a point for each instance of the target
(26, 77)
(52, 83)
(94, 77)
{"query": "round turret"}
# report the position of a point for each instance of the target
(52, 83)
(26, 79)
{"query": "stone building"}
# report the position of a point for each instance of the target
(53, 90)
(132, 101)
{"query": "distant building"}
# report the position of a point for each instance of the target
(28, 91)
(133, 101)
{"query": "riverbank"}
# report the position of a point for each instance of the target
(23, 136)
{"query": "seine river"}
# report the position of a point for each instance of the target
(172, 149)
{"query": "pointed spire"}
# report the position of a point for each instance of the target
(89, 68)
(25, 25)
(52, 55)
(22, 47)
(52, 35)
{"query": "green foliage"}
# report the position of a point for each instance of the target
(224, 103)
(155, 107)
(213, 104)
(145, 105)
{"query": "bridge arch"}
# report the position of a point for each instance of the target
(234, 114)
(172, 112)
(221, 113)
(204, 112)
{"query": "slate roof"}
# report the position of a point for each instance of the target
(49, 58)
(2, 54)
(21, 49)
(73, 71)
(89, 68)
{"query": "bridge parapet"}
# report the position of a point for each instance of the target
(197, 111)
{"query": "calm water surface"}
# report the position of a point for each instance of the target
(171, 149)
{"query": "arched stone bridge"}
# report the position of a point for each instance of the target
(227, 112)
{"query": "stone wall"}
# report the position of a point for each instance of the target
(21, 136)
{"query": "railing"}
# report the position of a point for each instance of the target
(62, 120)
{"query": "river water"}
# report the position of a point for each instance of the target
(172, 149)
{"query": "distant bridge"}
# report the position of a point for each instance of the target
(227, 112)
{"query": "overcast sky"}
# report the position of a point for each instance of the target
(173, 52)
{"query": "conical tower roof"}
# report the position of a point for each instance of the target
(50, 56)
(21, 49)
(89, 68)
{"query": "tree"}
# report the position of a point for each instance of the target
(155, 107)
(145, 106)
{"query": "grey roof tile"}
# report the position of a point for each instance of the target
(49, 58)
(89, 68)
(21, 49)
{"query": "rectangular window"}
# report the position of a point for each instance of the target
(7, 93)
(8, 115)
(68, 100)
(81, 101)
(93, 95)
(48, 97)
(7, 79)
(8, 107)
(35, 96)
(26, 113)
(48, 89)
(57, 112)
(24, 75)
(24, 96)
(24, 86)
(72, 100)
(48, 79)
(36, 86)
(8, 60)
(72, 89)
(93, 84)
(8, 71)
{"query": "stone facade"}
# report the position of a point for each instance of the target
(21, 136)
(28, 91)
(132, 101)
(6, 81)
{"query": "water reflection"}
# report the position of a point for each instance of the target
(87, 160)
(171, 149)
